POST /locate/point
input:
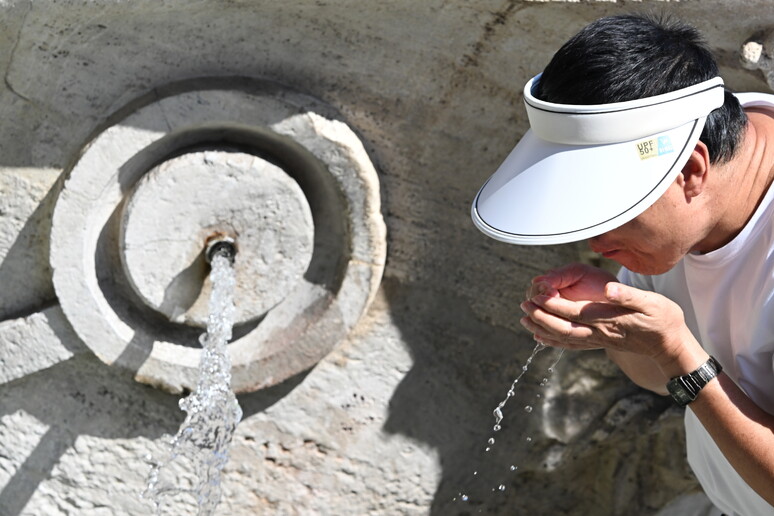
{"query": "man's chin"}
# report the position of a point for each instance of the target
(645, 268)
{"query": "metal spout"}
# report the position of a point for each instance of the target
(220, 245)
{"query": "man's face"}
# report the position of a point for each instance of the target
(654, 241)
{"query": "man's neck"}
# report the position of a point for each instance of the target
(742, 183)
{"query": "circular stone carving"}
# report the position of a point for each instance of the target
(269, 167)
(179, 204)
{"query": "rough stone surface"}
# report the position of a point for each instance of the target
(396, 419)
(36, 342)
(25, 214)
(758, 54)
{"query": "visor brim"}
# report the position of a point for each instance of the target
(551, 193)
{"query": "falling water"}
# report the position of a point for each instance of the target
(212, 409)
(498, 411)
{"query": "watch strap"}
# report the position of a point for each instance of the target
(685, 388)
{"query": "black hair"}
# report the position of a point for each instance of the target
(633, 56)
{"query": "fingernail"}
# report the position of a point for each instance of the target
(540, 300)
(523, 307)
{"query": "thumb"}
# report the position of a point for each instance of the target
(627, 297)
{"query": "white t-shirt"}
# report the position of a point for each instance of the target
(728, 300)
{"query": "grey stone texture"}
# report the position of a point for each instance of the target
(396, 418)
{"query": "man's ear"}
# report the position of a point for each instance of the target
(695, 172)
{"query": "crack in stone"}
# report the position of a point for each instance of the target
(498, 18)
(13, 55)
(471, 59)
(157, 97)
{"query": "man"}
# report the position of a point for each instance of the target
(636, 146)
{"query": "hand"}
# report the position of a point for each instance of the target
(585, 308)
(576, 282)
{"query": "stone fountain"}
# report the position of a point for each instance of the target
(268, 166)
(133, 132)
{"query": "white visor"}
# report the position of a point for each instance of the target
(583, 170)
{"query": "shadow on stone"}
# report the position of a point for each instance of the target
(255, 402)
(25, 273)
(36, 468)
(598, 444)
(81, 396)
(185, 288)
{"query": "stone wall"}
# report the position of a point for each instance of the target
(394, 420)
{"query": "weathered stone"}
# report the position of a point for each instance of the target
(25, 213)
(328, 232)
(36, 342)
(181, 203)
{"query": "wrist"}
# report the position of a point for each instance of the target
(682, 357)
(685, 389)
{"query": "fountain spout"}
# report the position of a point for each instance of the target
(222, 245)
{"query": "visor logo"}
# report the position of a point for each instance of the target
(655, 147)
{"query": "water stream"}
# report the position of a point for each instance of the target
(212, 409)
(498, 411)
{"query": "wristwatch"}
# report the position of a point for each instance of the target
(684, 389)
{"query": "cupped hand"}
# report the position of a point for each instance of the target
(576, 282)
(580, 307)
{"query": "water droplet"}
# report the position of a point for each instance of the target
(528, 408)
(497, 428)
(502, 487)
(529, 439)
(491, 440)
(551, 370)
(524, 368)
(475, 473)
(488, 448)
(511, 393)
(538, 395)
(514, 468)
(498, 414)
(464, 498)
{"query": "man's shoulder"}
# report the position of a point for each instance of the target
(752, 99)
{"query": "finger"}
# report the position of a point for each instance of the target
(543, 336)
(579, 345)
(585, 312)
(541, 288)
(548, 324)
(563, 276)
(558, 306)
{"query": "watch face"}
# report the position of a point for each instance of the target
(684, 389)
(678, 392)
